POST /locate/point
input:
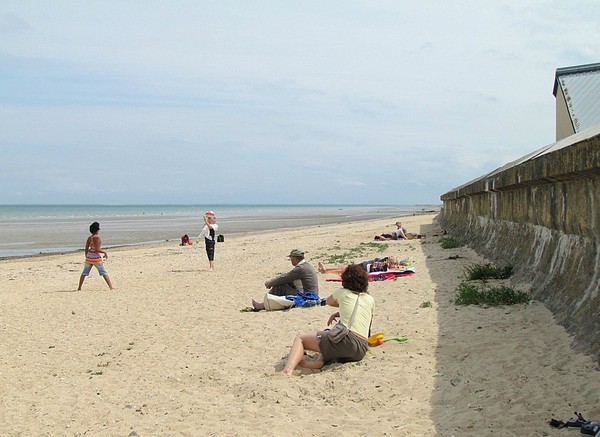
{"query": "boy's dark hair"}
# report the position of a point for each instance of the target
(355, 278)
(94, 227)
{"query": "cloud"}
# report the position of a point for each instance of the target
(268, 102)
(352, 184)
(11, 24)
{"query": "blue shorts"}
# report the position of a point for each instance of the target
(88, 267)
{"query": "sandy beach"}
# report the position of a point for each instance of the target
(170, 353)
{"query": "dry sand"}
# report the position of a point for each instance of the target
(170, 353)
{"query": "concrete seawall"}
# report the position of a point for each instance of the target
(541, 214)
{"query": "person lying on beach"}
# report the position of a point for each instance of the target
(93, 249)
(373, 265)
(399, 234)
(302, 278)
(356, 308)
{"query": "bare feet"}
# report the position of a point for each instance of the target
(321, 267)
(257, 305)
(312, 362)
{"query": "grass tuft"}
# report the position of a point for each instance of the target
(451, 243)
(352, 254)
(487, 271)
(470, 294)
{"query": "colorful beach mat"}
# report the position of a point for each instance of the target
(382, 276)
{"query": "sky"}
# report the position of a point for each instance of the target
(276, 102)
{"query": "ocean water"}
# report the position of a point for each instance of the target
(34, 229)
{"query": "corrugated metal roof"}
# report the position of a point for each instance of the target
(581, 89)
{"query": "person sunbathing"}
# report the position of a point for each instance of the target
(389, 263)
(400, 233)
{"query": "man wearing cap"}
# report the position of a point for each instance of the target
(302, 278)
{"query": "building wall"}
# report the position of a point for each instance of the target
(542, 215)
(564, 126)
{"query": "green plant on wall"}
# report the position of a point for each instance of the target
(487, 271)
(470, 294)
(451, 243)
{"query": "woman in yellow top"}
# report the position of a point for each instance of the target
(352, 299)
(93, 249)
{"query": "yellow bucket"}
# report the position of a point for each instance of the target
(375, 338)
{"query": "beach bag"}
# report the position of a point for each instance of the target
(304, 299)
(340, 331)
(220, 238)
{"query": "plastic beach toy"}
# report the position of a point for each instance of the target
(375, 339)
(398, 339)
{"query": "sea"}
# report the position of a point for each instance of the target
(27, 230)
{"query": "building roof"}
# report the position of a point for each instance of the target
(580, 86)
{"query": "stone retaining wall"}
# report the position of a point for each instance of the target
(541, 214)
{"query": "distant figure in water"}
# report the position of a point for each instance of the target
(93, 249)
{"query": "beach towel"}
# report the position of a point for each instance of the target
(382, 276)
(409, 236)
